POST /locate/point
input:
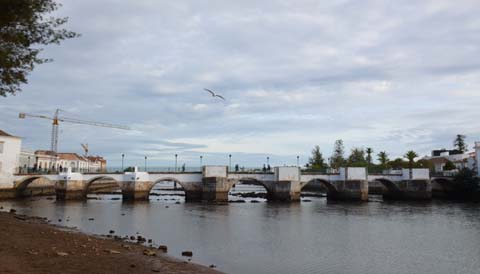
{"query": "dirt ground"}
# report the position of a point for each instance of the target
(30, 245)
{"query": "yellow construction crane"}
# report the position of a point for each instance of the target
(56, 120)
(85, 149)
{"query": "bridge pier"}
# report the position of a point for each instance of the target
(70, 186)
(352, 186)
(285, 191)
(351, 190)
(136, 186)
(215, 184)
(286, 186)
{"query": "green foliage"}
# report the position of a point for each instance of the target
(398, 163)
(449, 166)
(411, 155)
(465, 181)
(383, 159)
(316, 161)
(459, 143)
(357, 158)
(337, 160)
(424, 163)
(129, 169)
(369, 152)
(24, 27)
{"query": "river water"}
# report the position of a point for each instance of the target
(314, 236)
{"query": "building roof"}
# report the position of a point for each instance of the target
(4, 134)
(96, 159)
(45, 152)
(69, 156)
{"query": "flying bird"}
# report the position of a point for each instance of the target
(214, 94)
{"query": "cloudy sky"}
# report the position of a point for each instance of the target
(392, 75)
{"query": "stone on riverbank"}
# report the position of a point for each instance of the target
(187, 253)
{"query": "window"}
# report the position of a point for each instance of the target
(1, 147)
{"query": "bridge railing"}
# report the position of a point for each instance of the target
(445, 173)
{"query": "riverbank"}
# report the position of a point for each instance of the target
(31, 245)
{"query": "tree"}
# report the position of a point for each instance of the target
(466, 182)
(24, 28)
(424, 163)
(337, 159)
(316, 161)
(411, 155)
(369, 152)
(459, 143)
(357, 158)
(398, 163)
(383, 159)
(449, 166)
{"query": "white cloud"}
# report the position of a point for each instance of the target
(394, 76)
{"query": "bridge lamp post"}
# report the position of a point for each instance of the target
(176, 156)
(28, 165)
(298, 161)
(123, 159)
(268, 160)
(229, 162)
(145, 163)
(201, 158)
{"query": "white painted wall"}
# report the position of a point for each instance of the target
(215, 171)
(417, 174)
(357, 173)
(9, 154)
(287, 173)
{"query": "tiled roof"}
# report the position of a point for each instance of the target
(44, 152)
(3, 133)
(69, 156)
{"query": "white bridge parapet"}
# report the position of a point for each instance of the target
(405, 175)
(251, 176)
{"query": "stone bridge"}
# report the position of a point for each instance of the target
(214, 183)
(410, 184)
(442, 186)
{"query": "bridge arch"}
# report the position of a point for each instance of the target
(328, 185)
(21, 186)
(250, 179)
(91, 181)
(388, 184)
(171, 191)
(442, 184)
(24, 182)
(168, 179)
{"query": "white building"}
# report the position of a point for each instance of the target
(26, 161)
(10, 147)
(45, 160)
(440, 158)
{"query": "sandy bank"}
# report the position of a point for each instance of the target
(30, 245)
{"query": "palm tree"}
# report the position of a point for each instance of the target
(383, 159)
(369, 152)
(411, 155)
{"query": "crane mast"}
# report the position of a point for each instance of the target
(54, 137)
(56, 122)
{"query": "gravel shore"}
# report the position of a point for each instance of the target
(31, 245)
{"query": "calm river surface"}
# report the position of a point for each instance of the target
(307, 237)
